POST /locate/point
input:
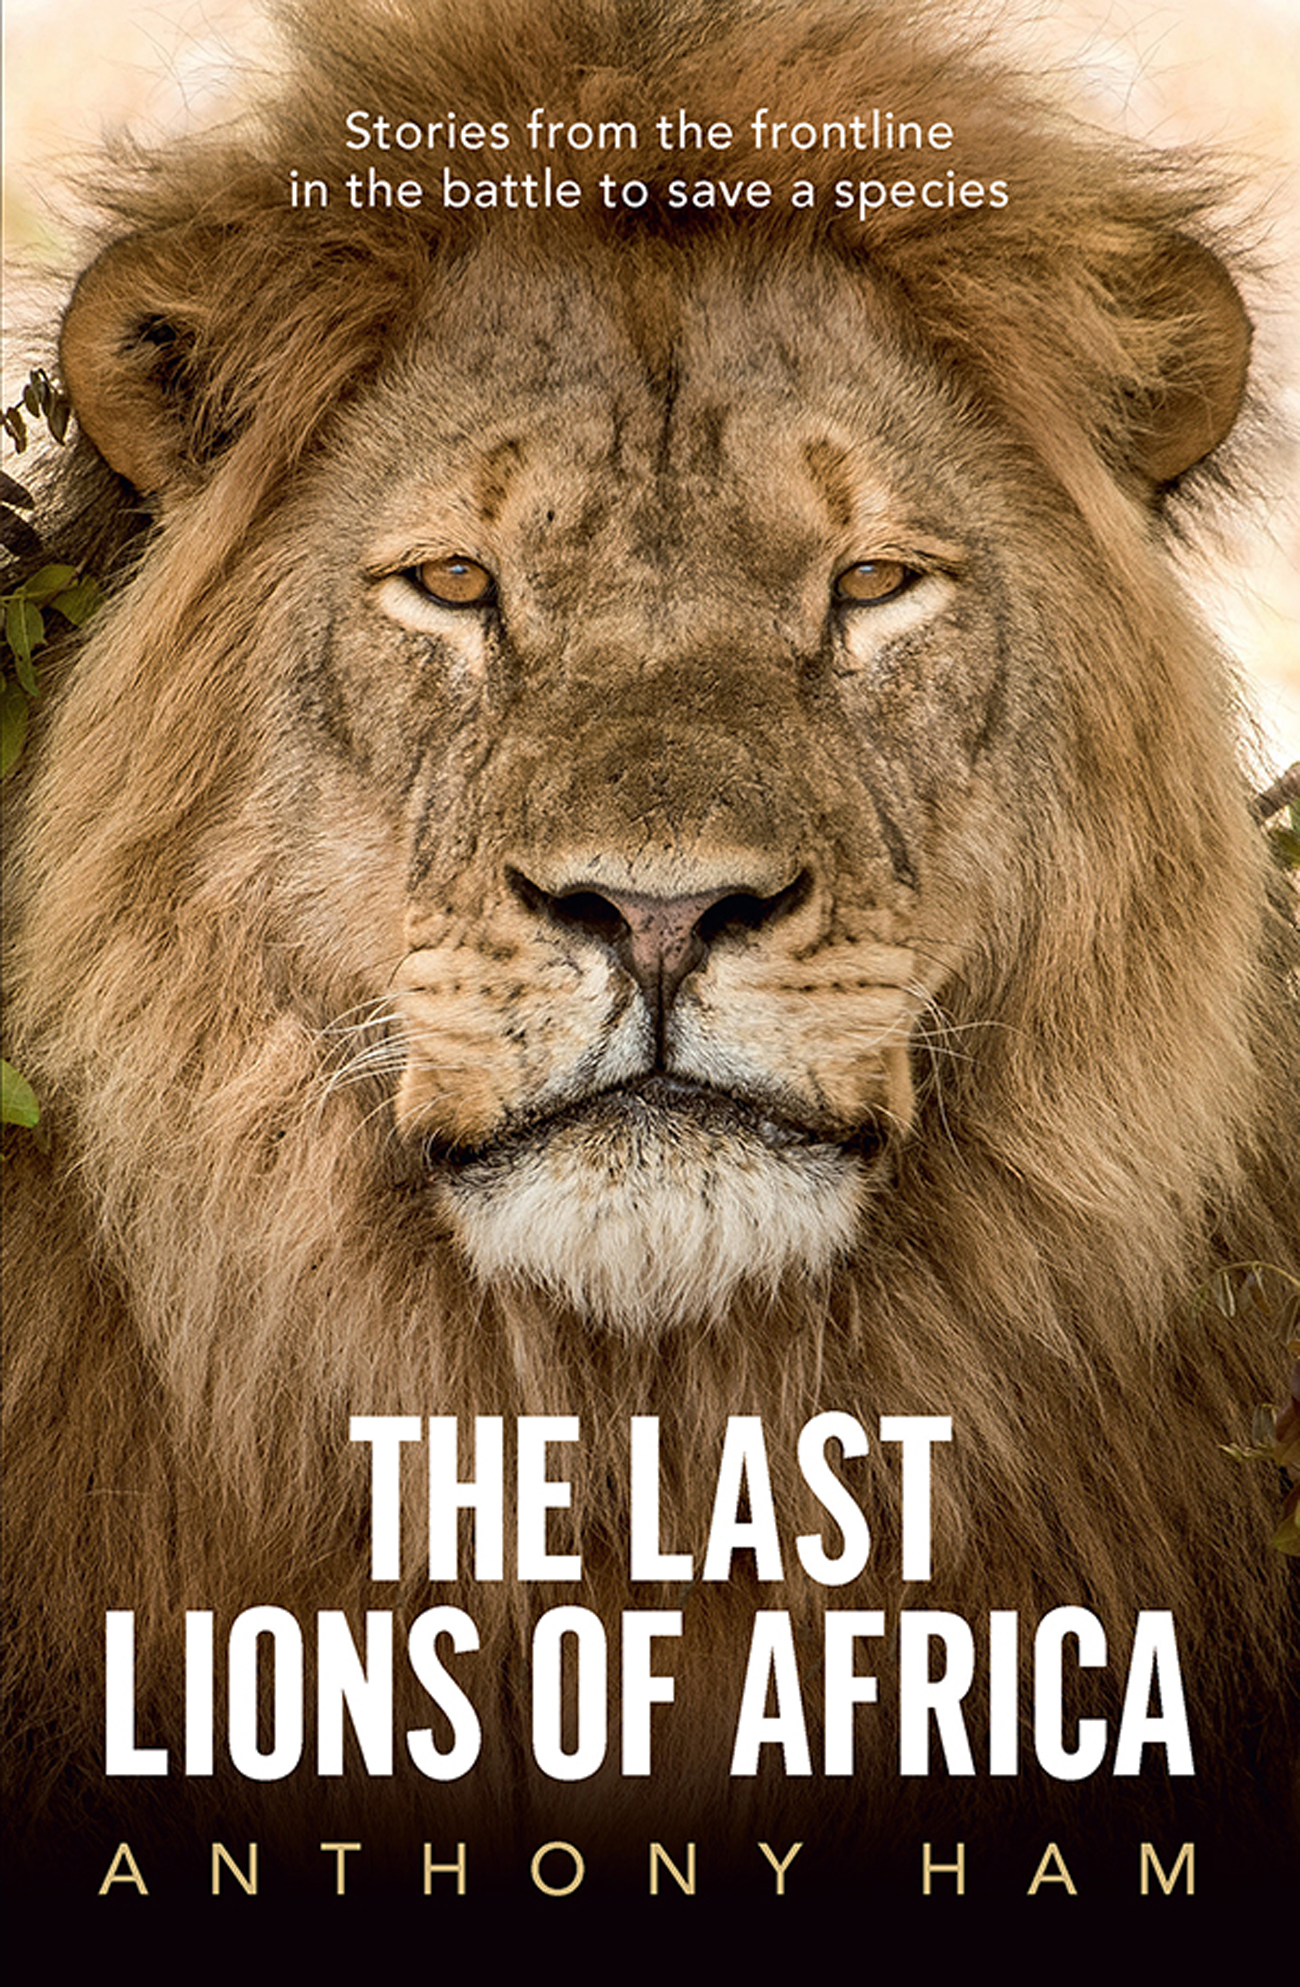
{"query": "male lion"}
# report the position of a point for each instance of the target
(647, 832)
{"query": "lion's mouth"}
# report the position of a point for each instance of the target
(655, 1105)
(652, 1201)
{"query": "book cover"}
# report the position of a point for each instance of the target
(653, 1220)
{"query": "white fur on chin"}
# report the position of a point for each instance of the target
(644, 1225)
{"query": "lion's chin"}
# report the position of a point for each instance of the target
(644, 1211)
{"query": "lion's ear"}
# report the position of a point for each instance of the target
(1190, 309)
(127, 358)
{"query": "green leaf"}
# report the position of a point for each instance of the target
(13, 725)
(42, 586)
(58, 414)
(16, 427)
(1287, 1536)
(79, 601)
(18, 1105)
(31, 397)
(24, 631)
(1286, 846)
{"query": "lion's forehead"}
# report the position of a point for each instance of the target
(581, 423)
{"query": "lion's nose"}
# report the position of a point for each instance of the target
(658, 940)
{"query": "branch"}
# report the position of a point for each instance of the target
(1285, 788)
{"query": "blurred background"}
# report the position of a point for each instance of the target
(1218, 73)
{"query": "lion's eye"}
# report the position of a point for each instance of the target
(454, 582)
(874, 579)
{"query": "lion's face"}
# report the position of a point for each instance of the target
(669, 679)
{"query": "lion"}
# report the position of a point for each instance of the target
(647, 836)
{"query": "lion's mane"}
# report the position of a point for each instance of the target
(216, 1256)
